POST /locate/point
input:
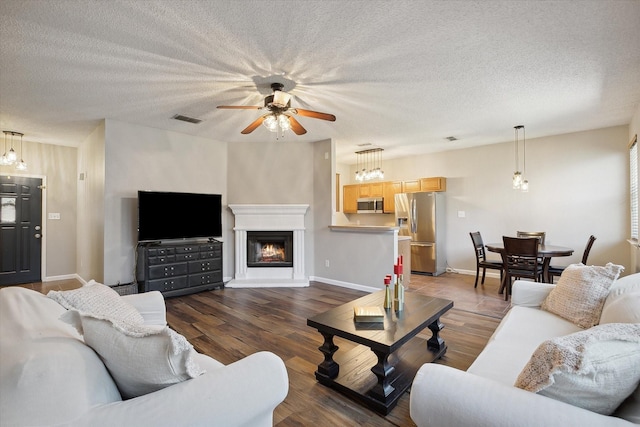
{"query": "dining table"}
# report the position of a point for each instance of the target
(546, 252)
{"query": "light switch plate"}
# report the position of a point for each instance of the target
(54, 215)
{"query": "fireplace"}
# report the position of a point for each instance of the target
(269, 246)
(269, 249)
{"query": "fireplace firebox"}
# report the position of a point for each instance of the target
(269, 248)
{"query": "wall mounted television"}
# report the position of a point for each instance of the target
(171, 216)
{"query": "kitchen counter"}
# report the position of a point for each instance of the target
(364, 228)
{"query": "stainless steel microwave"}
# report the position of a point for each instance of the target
(371, 205)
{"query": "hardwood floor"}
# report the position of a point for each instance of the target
(230, 324)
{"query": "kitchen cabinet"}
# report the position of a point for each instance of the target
(350, 198)
(437, 183)
(372, 189)
(389, 191)
(412, 186)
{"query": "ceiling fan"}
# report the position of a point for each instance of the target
(280, 113)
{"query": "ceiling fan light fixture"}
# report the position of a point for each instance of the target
(280, 99)
(271, 123)
(283, 122)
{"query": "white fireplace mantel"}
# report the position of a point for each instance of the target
(273, 217)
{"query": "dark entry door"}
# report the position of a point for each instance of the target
(20, 229)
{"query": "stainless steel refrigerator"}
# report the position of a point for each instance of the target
(421, 216)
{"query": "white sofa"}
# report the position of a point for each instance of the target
(485, 394)
(49, 376)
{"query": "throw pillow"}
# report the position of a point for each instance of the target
(595, 369)
(623, 303)
(141, 359)
(99, 301)
(581, 292)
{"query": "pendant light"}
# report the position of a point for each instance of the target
(10, 158)
(518, 181)
(371, 161)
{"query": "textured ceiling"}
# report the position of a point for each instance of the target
(401, 75)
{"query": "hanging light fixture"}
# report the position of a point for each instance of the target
(10, 157)
(276, 122)
(519, 182)
(371, 162)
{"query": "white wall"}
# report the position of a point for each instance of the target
(143, 158)
(90, 241)
(56, 165)
(578, 187)
(268, 172)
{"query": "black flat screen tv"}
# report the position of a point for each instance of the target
(171, 216)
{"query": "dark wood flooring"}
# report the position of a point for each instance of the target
(230, 324)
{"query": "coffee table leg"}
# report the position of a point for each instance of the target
(435, 343)
(382, 371)
(329, 368)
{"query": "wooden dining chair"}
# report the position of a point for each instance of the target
(481, 258)
(556, 271)
(520, 259)
(539, 234)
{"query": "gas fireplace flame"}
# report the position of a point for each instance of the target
(272, 253)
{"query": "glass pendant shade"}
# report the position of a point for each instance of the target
(517, 180)
(12, 156)
(283, 122)
(271, 123)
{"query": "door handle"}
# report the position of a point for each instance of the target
(37, 228)
(37, 235)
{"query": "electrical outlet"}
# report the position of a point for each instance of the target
(53, 215)
(326, 263)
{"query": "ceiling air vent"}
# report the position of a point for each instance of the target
(186, 119)
(451, 138)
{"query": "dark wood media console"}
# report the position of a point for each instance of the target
(179, 269)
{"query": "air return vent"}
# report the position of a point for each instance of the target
(186, 119)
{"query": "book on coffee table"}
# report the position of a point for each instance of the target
(368, 314)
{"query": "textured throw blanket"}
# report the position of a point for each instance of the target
(567, 354)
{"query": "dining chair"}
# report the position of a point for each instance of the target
(481, 258)
(556, 271)
(539, 234)
(520, 259)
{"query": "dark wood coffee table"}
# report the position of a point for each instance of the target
(391, 349)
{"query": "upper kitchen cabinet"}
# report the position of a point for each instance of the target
(437, 183)
(389, 191)
(350, 198)
(372, 189)
(411, 186)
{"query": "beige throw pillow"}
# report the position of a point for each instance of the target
(99, 301)
(594, 369)
(141, 359)
(623, 302)
(581, 292)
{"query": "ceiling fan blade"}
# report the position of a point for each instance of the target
(315, 114)
(257, 122)
(240, 107)
(296, 127)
